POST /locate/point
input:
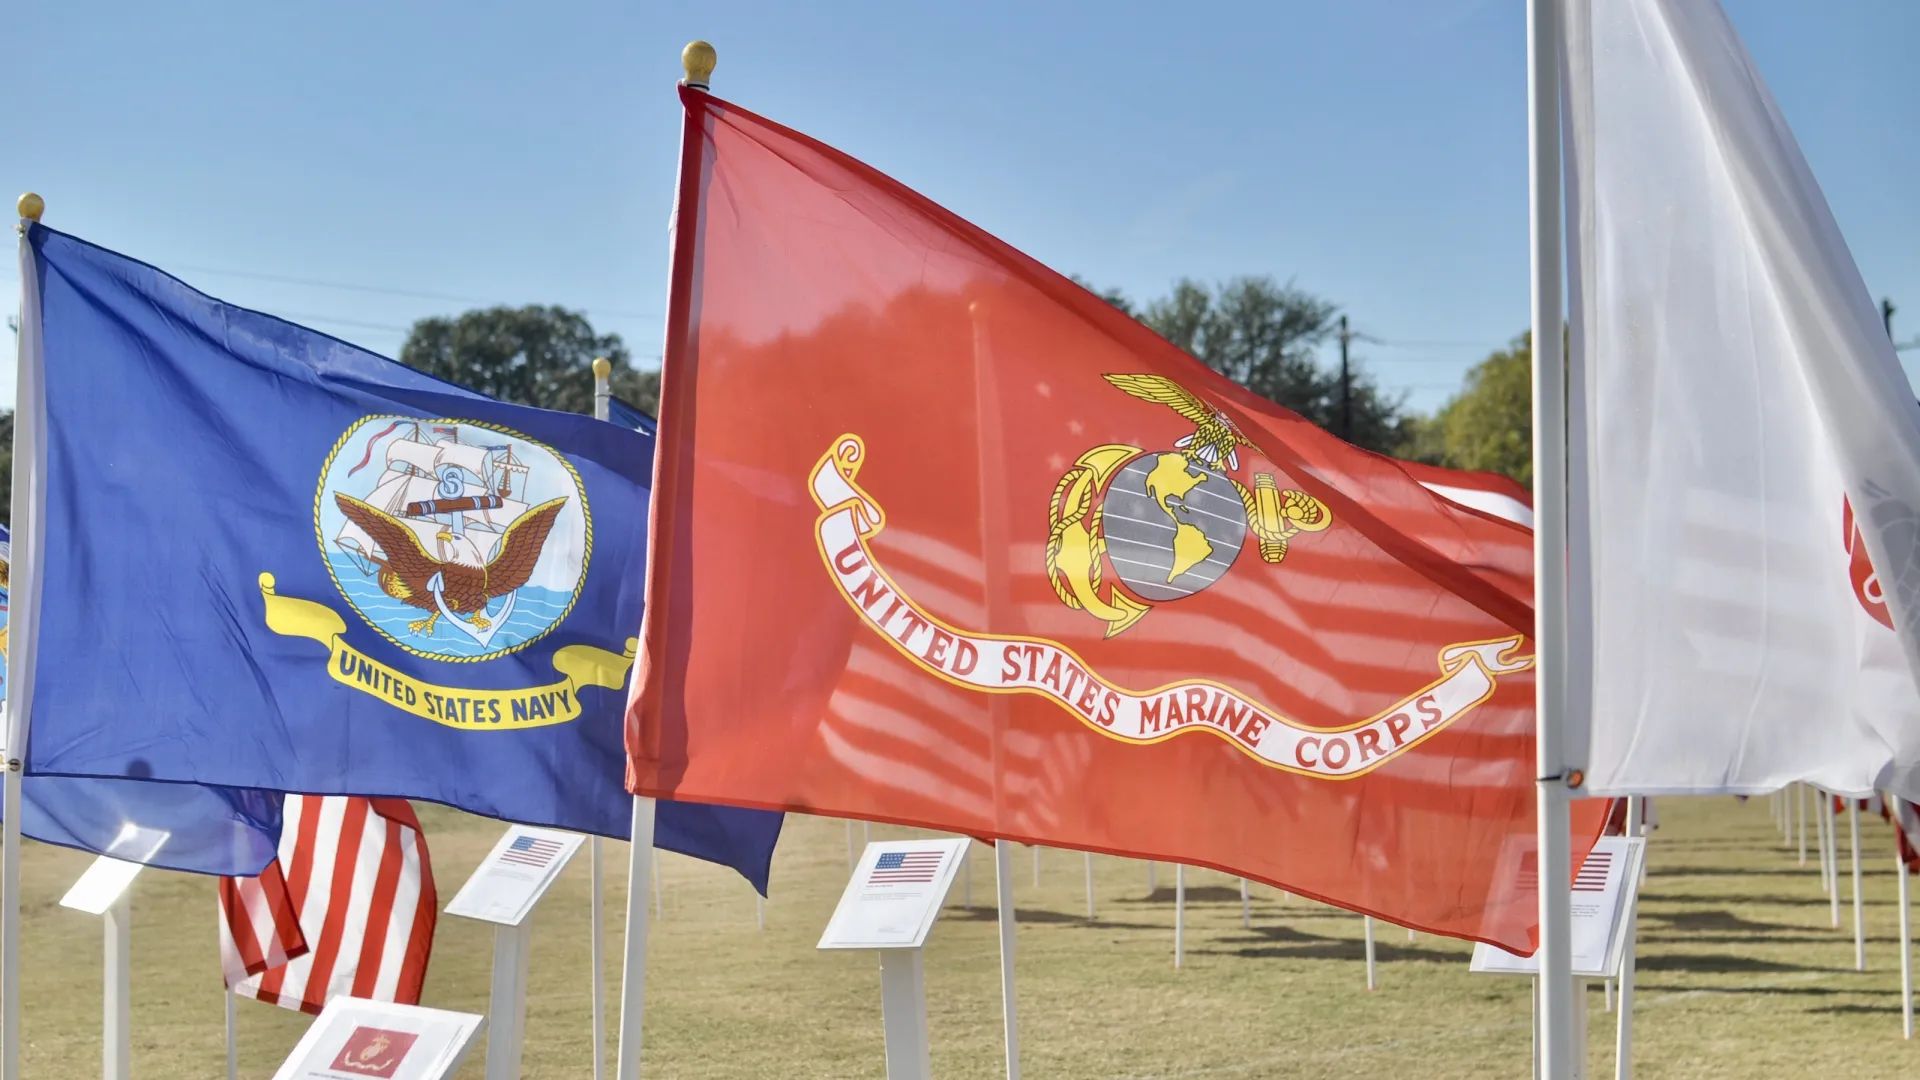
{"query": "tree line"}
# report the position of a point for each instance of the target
(1266, 335)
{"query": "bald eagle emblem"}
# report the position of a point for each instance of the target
(1129, 528)
(453, 539)
(1215, 438)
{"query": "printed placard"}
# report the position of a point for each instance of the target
(894, 895)
(513, 877)
(108, 876)
(1602, 891)
(354, 1039)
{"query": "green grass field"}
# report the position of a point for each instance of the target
(1741, 973)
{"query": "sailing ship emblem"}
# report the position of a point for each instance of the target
(455, 540)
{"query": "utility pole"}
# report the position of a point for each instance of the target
(1886, 317)
(1346, 383)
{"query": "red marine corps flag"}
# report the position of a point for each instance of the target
(942, 539)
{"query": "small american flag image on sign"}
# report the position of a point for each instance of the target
(905, 868)
(1593, 873)
(532, 851)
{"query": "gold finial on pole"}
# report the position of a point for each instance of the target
(698, 58)
(31, 206)
(602, 389)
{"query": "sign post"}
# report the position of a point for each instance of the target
(503, 890)
(102, 890)
(353, 1037)
(890, 905)
(1605, 898)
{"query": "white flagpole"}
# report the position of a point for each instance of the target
(1090, 915)
(1833, 857)
(1821, 816)
(602, 410)
(233, 1048)
(966, 867)
(599, 966)
(1623, 1032)
(1367, 922)
(1003, 877)
(1853, 851)
(1906, 948)
(633, 963)
(1800, 810)
(698, 61)
(1179, 915)
(1552, 777)
(1898, 815)
(28, 476)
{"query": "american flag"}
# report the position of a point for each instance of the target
(905, 868)
(1593, 873)
(1905, 817)
(534, 851)
(348, 908)
(1529, 872)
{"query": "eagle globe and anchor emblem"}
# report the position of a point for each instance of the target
(1130, 528)
(1170, 523)
(459, 542)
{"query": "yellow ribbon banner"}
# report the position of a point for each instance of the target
(454, 706)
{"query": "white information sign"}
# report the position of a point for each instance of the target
(513, 877)
(108, 876)
(894, 895)
(1601, 894)
(353, 1039)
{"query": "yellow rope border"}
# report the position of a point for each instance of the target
(579, 487)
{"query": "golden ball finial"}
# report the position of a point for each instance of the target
(698, 58)
(602, 367)
(31, 206)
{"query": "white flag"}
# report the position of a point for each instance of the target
(1740, 389)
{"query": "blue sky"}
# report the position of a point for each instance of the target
(438, 156)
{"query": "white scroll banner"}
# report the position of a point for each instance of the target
(1468, 671)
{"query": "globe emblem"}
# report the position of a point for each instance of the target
(1173, 526)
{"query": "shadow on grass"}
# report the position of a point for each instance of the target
(1878, 1010)
(1203, 894)
(1809, 871)
(1718, 964)
(1817, 936)
(1779, 991)
(1333, 949)
(1038, 917)
(1756, 900)
(1721, 921)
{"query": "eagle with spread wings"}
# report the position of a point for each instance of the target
(1215, 438)
(406, 569)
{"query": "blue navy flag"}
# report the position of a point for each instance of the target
(690, 827)
(631, 418)
(187, 827)
(274, 560)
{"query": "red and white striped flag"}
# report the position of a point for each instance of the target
(1905, 817)
(348, 908)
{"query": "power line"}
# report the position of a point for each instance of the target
(383, 290)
